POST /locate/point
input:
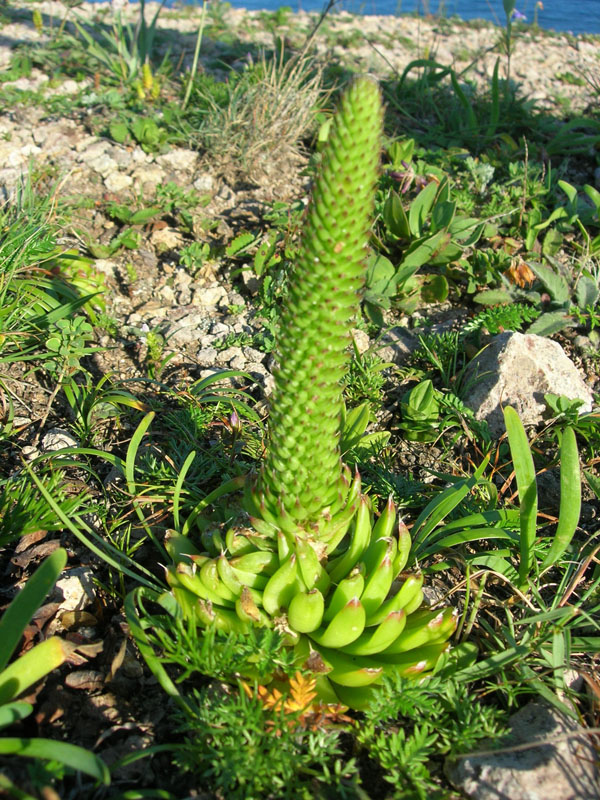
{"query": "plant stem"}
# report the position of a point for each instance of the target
(188, 88)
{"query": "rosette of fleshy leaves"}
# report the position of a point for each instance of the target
(312, 561)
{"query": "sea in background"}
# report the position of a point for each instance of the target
(574, 16)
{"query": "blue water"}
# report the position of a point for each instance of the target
(574, 16)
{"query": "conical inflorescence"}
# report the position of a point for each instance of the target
(302, 468)
(314, 563)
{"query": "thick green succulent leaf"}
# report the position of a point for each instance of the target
(303, 467)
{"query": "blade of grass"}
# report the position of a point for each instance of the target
(495, 112)
(130, 460)
(108, 553)
(69, 754)
(32, 666)
(194, 69)
(22, 608)
(464, 536)
(570, 498)
(441, 506)
(179, 485)
(492, 665)
(525, 474)
(225, 488)
(13, 712)
(136, 628)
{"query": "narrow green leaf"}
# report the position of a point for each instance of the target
(496, 563)
(395, 217)
(587, 292)
(585, 644)
(502, 516)
(472, 125)
(108, 553)
(13, 791)
(32, 666)
(464, 536)
(179, 485)
(442, 215)
(136, 629)
(570, 498)
(493, 297)
(13, 712)
(492, 665)
(71, 755)
(441, 506)
(593, 482)
(22, 608)
(143, 215)
(239, 244)
(130, 460)
(526, 485)
(495, 110)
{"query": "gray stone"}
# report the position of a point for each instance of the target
(262, 375)
(517, 370)
(209, 296)
(249, 279)
(166, 239)
(103, 164)
(396, 345)
(251, 354)
(361, 340)
(204, 182)
(185, 330)
(178, 160)
(207, 356)
(231, 354)
(106, 266)
(235, 299)
(77, 588)
(29, 452)
(560, 767)
(67, 87)
(148, 176)
(58, 439)
(167, 294)
(117, 182)
(238, 362)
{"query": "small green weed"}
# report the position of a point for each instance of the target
(365, 380)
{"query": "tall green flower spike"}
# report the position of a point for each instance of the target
(314, 564)
(303, 467)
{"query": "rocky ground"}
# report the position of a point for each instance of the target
(553, 70)
(149, 290)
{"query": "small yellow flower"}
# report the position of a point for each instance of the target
(38, 21)
(147, 77)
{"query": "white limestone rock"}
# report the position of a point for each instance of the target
(517, 370)
(560, 764)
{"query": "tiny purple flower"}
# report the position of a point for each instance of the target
(518, 16)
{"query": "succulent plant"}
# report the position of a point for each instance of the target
(313, 563)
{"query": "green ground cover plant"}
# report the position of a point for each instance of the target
(307, 639)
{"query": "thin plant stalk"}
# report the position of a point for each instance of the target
(188, 88)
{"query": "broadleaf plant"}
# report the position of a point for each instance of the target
(313, 565)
